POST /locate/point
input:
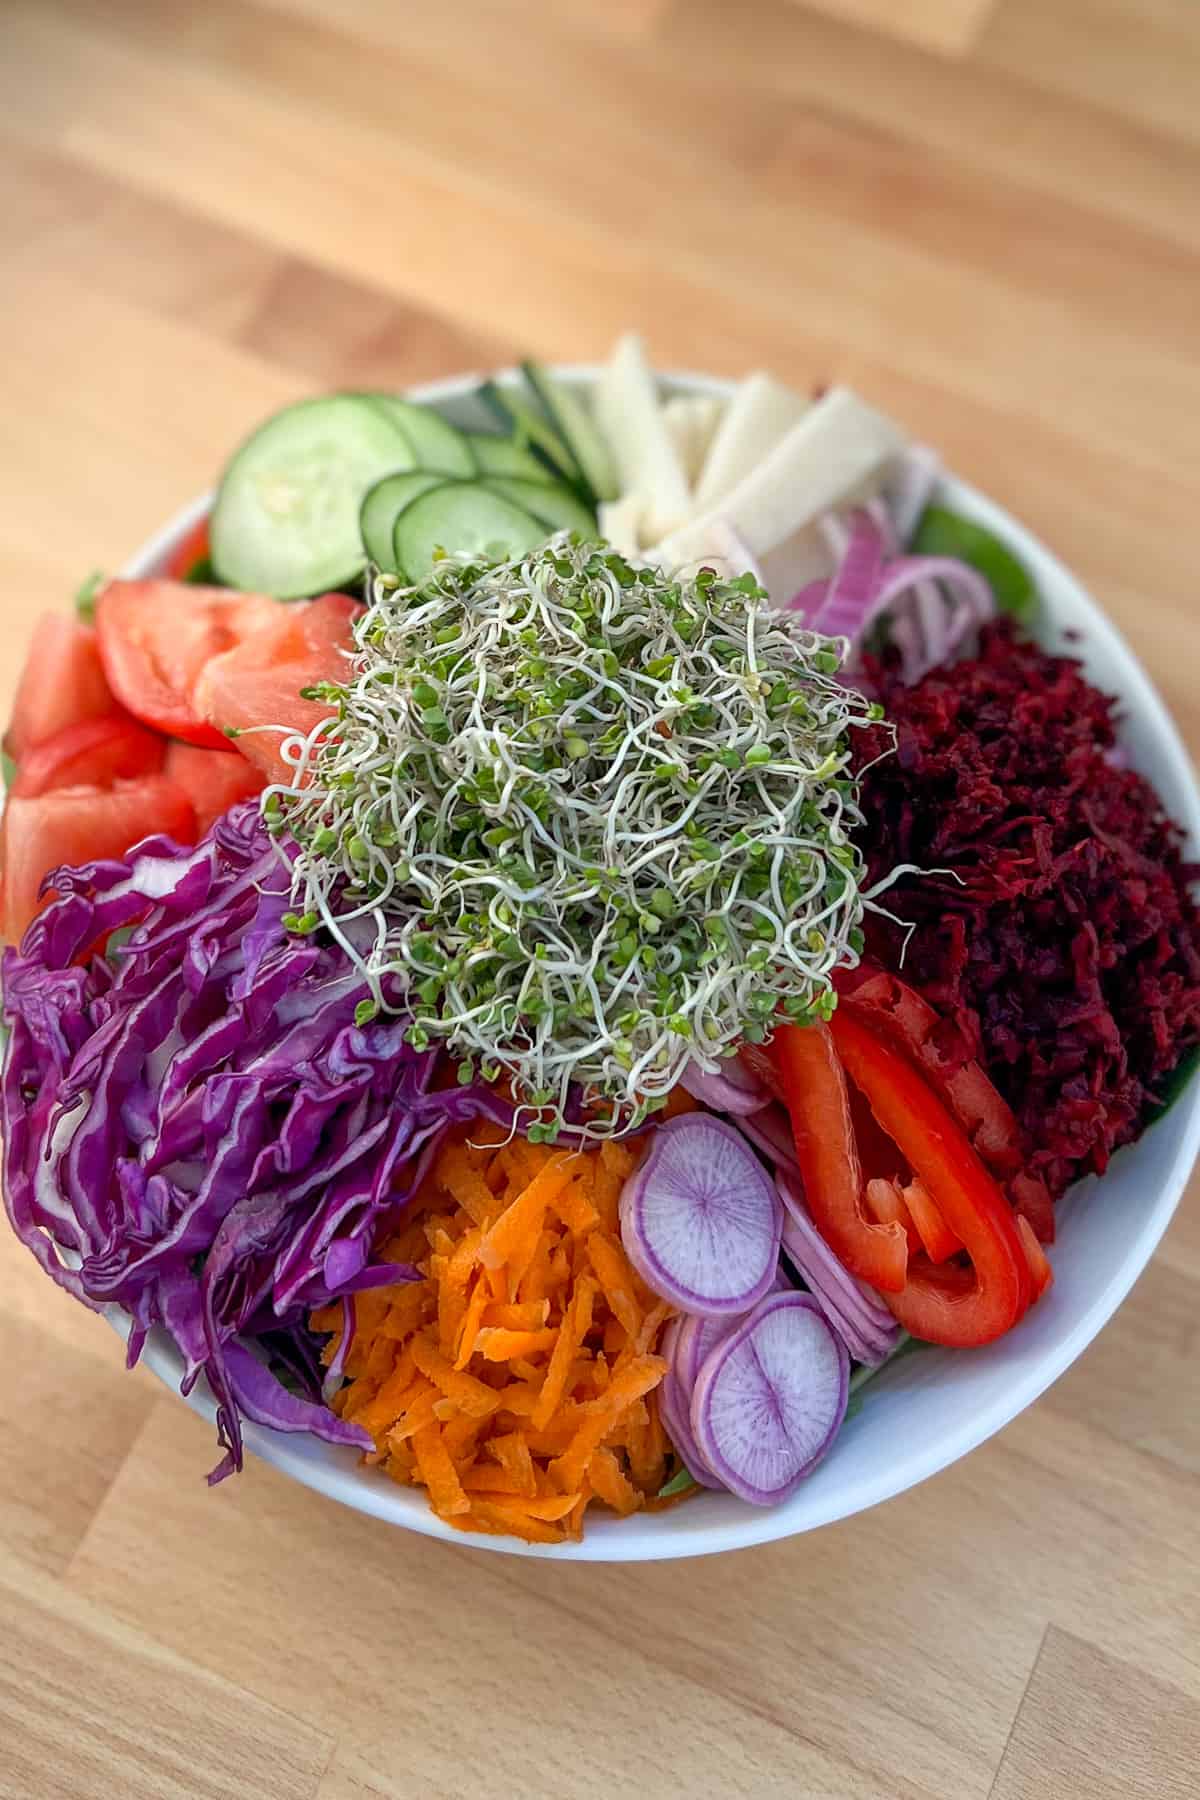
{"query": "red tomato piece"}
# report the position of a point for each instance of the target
(63, 683)
(213, 780)
(191, 549)
(94, 753)
(80, 825)
(259, 682)
(156, 637)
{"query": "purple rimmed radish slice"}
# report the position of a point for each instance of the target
(673, 1410)
(701, 1220)
(770, 1399)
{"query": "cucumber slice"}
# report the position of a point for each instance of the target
(382, 507)
(436, 443)
(578, 431)
(504, 456)
(461, 516)
(554, 504)
(516, 414)
(286, 515)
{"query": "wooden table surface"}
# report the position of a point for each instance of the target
(986, 214)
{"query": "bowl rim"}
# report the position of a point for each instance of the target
(610, 1542)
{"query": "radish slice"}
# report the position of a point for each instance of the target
(701, 1220)
(698, 1338)
(674, 1412)
(770, 1399)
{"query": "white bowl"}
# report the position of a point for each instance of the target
(931, 1409)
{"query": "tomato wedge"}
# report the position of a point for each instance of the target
(213, 780)
(191, 551)
(258, 683)
(62, 683)
(94, 753)
(155, 638)
(74, 825)
(947, 1304)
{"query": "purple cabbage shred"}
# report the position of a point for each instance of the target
(196, 1130)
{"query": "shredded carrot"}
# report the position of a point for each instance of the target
(615, 1275)
(576, 1211)
(512, 1454)
(439, 1473)
(496, 1344)
(515, 1380)
(468, 1394)
(563, 1357)
(477, 1307)
(611, 1484)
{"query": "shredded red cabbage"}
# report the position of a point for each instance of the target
(195, 1128)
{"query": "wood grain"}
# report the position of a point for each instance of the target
(985, 215)
(948, 25)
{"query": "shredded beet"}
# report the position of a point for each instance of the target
(1069, 958)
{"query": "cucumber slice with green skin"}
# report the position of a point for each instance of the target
(578, 431)
(457, 517)
(516, 414)
(436, 444)
(504, 456)
(556, 505)
(382, 507)
(286, 515)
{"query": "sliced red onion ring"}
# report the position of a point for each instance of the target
(700, 1219)
(770, 1398)
(855, 582)
(868, 1328)
(932, 603)
(733, 1090)
(770, 1132)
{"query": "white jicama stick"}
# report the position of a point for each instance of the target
(620, 523)
(760, 415)
(838, 455)
(724, 551)
(627, 411)
(910, 487)
(692, 421)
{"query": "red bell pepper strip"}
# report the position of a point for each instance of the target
(813, 1086)
(907, 1020)
(1040, 1272)
(923, 1223)
(885, 1202)
(937, 1239)
(948, 1304)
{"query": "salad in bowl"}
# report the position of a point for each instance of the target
(562, 931)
